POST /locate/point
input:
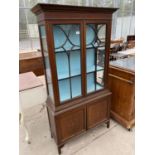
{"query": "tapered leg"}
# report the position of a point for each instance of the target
(59, 150)
(49, 122)
(108, 124)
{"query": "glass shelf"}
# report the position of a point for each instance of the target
(61, 50)
(92, 68)
(91, 88)
(95, 45)
(98, 87)
(63, 75)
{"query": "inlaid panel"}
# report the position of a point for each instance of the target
(97, 112)
(71, 123)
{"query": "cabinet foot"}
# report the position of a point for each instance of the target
(129, 129)
(108, 124)
(52, 135)
(59, 149)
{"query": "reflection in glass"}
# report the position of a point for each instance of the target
(95, 56)
(99, 79)
(68, 60)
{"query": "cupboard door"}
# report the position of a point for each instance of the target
(71, 123)
(95, 56)
(67, 50)
(97, 112)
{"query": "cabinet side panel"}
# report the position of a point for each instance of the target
(122, 89)
(122, 98)
(52, 124)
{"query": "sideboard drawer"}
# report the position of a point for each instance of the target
(71, 123)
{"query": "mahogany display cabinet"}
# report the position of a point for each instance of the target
(75, 44)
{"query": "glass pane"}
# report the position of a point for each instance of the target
(75, 63)
(62, 65)
(46, 59)
(90, 60)
(36, 44)
(100, 58)
(76, 86)
(99, 79)
(64, 90)
(66, 37)
(95, 55)
(68, 59)
(90, 82)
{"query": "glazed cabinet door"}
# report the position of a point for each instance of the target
(95, 37)
(67, 51)
(71, 123)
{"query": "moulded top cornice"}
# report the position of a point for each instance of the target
(43, 7)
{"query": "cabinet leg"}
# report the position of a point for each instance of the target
(59, 150)
(129, 129)
(108, 124)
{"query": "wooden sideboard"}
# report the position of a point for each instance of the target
(31, 61)
(122, 86)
